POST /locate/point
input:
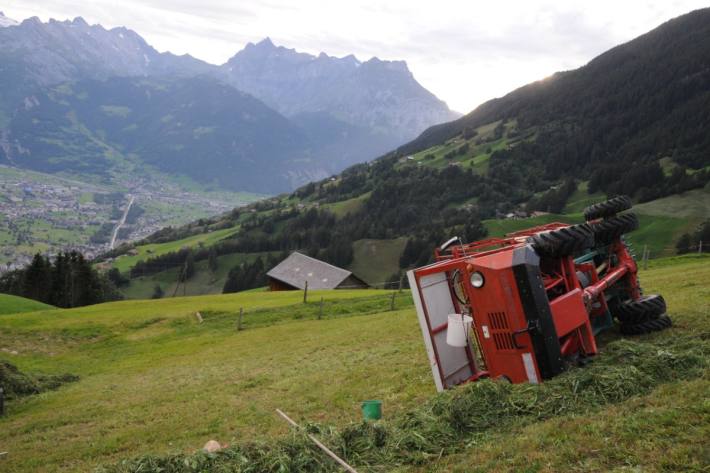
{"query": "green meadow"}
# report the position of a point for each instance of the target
(156, 380)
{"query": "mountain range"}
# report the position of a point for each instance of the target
(81, 99)
(634, 120)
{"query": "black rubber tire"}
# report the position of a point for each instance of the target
(641, 310)
(654, 325)
(608, 208)
(563, 241)
(609, 230)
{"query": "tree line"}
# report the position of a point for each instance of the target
(67, 280)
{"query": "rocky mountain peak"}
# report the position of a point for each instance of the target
(376, 94)
(266, 43)
(58, 51)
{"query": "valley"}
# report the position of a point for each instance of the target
(461, 165)
(152, 205)
(47, 213)
(186, 138)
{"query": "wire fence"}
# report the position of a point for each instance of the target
(321, 308)
(698, 248)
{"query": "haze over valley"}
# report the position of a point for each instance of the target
(105, 110)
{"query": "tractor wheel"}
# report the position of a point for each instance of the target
(563, 241)
(609, 230)
(608, 208)
(649, 326)
(641, 310)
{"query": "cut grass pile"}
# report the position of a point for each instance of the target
(443, 425)
(16, 383)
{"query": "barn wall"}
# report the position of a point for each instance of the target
(352, 282)
(276, 285)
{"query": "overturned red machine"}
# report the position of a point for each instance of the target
(536, 299)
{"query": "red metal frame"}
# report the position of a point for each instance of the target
(502, 336)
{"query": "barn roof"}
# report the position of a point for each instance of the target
(297, 269)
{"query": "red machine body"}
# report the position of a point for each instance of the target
(532, 314)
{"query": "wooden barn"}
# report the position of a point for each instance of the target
(293, 273)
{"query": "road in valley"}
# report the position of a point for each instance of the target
(120, 223)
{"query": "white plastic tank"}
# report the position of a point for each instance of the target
(457, 330)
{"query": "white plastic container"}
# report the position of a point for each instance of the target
(457, 330)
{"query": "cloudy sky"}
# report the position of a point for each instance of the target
(465, 52)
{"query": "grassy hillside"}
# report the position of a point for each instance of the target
(376, 260)
(657, 232)
(146, 368)
(662, 222)
(143, 252)
(204, 282)
(582, 198)
(13, 305)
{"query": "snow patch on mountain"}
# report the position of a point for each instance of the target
(5, 21)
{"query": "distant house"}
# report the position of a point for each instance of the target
(293, 273)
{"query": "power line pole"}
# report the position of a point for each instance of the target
(647, 255)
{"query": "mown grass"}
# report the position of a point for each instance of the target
(376, 260)
(13, 304)
(125, 262)
(203, 282)
(445, 423)
(658, 234)
(691, 205)
(154, 380)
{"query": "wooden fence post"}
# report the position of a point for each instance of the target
(392, 300)
(647, 254)
(700, 246)
(320, 311)
(305, 293)
(239, 322)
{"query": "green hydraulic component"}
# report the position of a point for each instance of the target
(602, 322)
(605, 321)
(587, 257)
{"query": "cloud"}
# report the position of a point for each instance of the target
(465, 52)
